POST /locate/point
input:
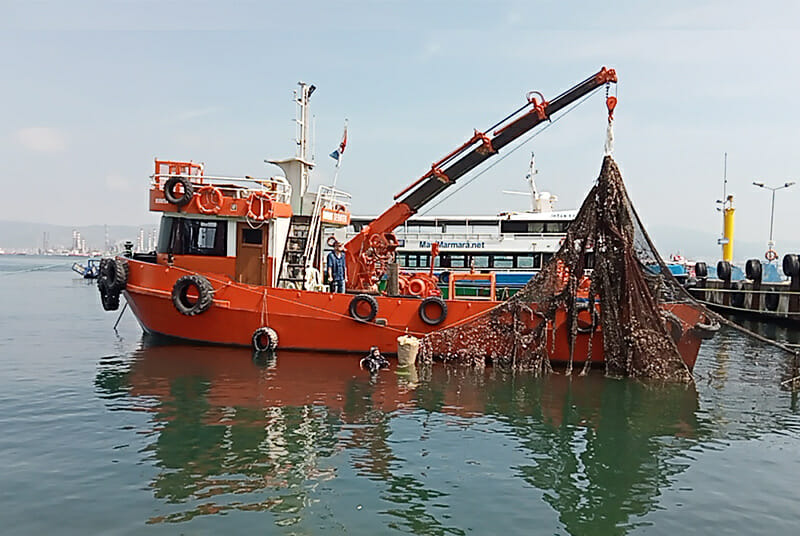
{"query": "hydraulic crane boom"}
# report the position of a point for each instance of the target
(371, 249)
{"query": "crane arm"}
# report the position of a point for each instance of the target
(371, 249)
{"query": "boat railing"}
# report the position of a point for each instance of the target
(331, 198)
(237, 187)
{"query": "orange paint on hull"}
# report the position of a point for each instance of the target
(321, 321)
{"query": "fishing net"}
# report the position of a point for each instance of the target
(620, 307)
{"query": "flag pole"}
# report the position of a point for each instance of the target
(338, 154)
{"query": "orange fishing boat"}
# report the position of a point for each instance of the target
(239, 260)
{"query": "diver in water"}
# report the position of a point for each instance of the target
(374, 361)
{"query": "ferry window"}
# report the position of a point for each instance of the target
(402, 259)
(525, 260)
(198, 237)
(546, 258)
(556, 227)
(509, 226)
(252, 236)
(503, 261)
(458, 261)
(537, 227)
(481, 261)
(443, 261)
(412, 262)
(424, 260)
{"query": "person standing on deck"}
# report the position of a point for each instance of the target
(337, 267)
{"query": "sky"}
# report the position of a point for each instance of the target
(94, 91)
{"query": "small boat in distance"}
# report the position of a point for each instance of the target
(90, 270)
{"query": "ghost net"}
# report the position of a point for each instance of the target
(628, 283)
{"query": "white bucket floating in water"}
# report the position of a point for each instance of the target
(407, 348)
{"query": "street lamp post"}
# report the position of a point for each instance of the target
(771, 255)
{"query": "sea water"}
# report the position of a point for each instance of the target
(110, 432)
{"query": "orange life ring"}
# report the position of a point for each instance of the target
(416, 287)
(259, 206)
(771, 255)
(209, 199)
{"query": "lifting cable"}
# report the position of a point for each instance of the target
(468, 181)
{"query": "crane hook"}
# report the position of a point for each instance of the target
(611, 103)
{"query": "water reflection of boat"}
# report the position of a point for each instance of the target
(233, 434)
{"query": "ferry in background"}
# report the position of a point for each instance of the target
(513, 245)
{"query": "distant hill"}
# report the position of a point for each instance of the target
(16, 235)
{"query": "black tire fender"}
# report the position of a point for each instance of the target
(584, 306)
(172, 197)
(791, 265)
(771, 301)
(369, 300)
(752, 270)
(673, 324)
(205, 294)
(265, 339)
(724, 270)
(423, 310)
(737, 298)
(700, 270)
(114, 273)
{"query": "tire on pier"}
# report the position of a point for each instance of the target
(752, 270)
(265, 339)
(791, 265)
(737, 298)
(701, 270)
(724, 270)
(180, 295)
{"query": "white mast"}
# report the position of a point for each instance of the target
(297, 169)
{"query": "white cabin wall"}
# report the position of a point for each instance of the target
(279, 231)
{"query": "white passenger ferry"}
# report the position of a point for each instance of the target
(514, 245)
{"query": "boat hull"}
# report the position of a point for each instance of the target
(321, 321)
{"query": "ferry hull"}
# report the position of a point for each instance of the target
(321, 321)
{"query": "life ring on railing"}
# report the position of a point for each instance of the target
(593, 323)
(259, 206)
(356, 302)
(771, 255)
(209, 199)
(170, 194)
(265, 339)
(423, 310)
(180, 295)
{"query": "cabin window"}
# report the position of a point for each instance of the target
(186, 236)
(252, 236)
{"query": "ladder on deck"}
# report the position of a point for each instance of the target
(293, 266)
